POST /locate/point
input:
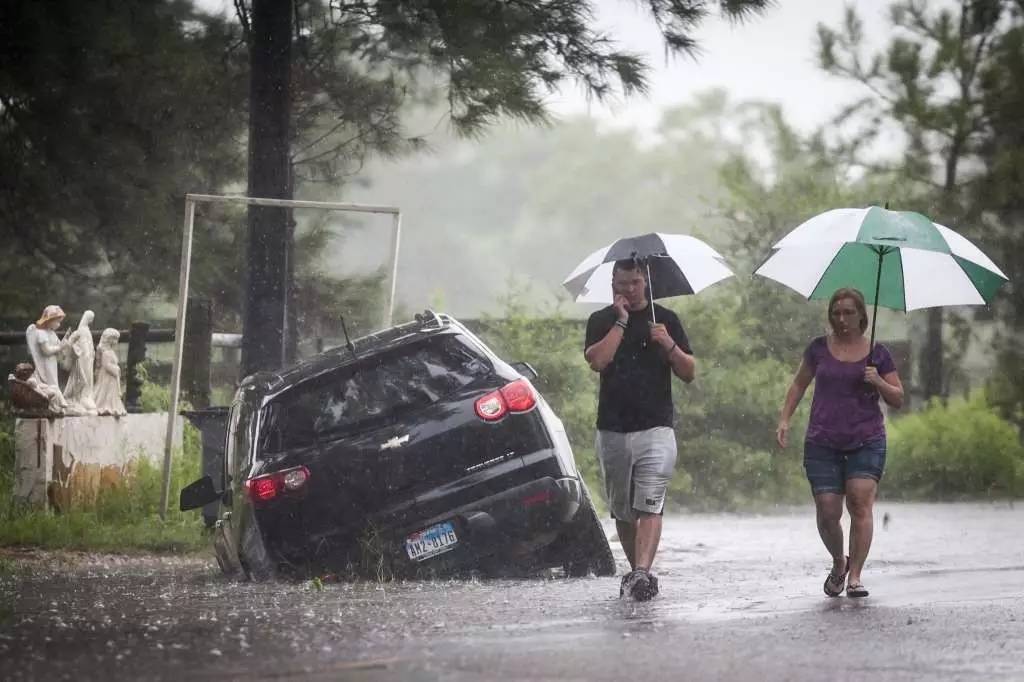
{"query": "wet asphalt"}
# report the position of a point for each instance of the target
(740, 600)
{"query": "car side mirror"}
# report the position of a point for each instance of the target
(198, 494)
(526, 369)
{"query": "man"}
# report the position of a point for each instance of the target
(636, 444)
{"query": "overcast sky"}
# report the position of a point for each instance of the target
(769, 57)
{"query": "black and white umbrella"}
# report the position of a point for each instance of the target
(676, 265)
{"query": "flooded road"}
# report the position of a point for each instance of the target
(740, 599)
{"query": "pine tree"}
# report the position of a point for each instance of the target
(928, 82)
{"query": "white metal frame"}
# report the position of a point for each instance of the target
(186, 261)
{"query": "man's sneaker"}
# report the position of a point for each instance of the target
(645, 587)
(639, 584)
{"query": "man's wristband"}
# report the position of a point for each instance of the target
(674, 346)
(622, 325)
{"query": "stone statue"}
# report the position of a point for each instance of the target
(31, 396)
(78, 391)
(44, 346)
(108, 375)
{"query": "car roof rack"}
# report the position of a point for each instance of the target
(428, 317)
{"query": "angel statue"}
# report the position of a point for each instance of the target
(45, 347)
(108, 375)
(78, 391)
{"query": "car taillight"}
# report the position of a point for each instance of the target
(269, 486)
(515, 397)
(542, 497)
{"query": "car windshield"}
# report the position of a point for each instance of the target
(372, 392)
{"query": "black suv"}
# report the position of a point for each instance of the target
(417, 446)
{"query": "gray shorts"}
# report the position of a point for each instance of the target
(636, 467)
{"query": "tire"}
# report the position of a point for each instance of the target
(586, 549)
(256, 560)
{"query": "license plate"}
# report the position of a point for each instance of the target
(431, 541)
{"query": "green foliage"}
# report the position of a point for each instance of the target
(153, 397)
(109, 115)
(503, 59)
(1002, 195)
(962, 449)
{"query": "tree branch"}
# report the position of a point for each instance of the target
(242, 12)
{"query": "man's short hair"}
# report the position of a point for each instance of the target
(627, 264)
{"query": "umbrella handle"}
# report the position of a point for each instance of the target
(650, 290)
(874, 314)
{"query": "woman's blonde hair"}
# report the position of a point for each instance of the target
(858, 303)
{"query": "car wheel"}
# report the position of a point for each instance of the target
(586, 545)
(256, 560)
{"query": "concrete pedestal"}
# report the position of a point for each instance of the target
(65, 463)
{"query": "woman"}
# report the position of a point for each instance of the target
(844, 452)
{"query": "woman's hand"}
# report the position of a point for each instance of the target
(871, 376)
(782, 434)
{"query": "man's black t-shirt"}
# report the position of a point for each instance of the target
(636, 388)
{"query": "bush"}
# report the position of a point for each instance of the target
(959, 450)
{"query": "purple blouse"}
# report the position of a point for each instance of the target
(844, 412)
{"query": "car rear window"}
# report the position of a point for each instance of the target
(373, 392)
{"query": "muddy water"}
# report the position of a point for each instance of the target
(741, 598)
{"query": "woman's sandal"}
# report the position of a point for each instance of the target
(856, 590)
(834, 583)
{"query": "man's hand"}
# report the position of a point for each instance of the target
(621, 305)
(660, 335)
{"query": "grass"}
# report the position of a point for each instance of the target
(85, 531)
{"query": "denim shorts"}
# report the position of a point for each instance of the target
(828, 469)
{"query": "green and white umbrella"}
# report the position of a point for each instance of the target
(897, 259)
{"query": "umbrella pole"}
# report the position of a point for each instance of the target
(650, 289)
(874, 314)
